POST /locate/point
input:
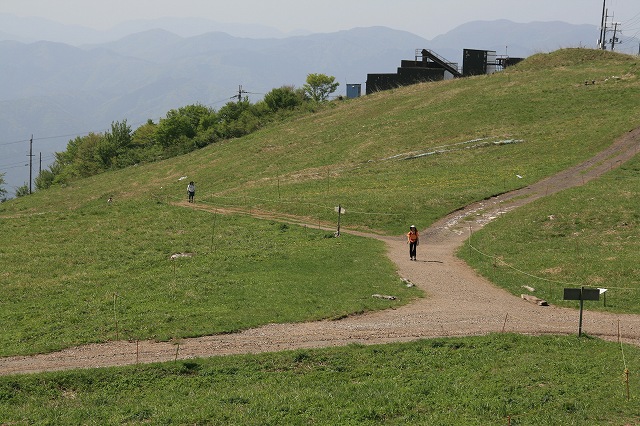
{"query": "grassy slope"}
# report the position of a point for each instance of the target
(542, 380)
(586, 236)
(337, 156)
(305, 166)
(308, 165)
(473, 381)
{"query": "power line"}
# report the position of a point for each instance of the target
(11, 165)
(45, 138)
(22, 163)
(241, 92)
(14, 167)
(76, 134)
(14, 142)
(633, 20)
(220, 101)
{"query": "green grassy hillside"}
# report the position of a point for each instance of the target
(75, 270)
(411, 154)
(494, 380)
(586, 236)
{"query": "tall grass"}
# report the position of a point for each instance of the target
(491, 380)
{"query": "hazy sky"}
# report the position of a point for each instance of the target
(426, 18)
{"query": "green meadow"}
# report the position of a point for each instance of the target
(76, 270)
(492, 380)
(104, 272)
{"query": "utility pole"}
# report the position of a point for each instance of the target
(614, 39)
(30, 162)
(605, 29)
(240, 93)
(602, 26)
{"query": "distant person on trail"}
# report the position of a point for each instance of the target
(413, 239)
(191, 191)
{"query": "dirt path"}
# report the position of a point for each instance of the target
(458, 302)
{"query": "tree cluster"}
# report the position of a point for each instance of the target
(3, 192)
(182, 130)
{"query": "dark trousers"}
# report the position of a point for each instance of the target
(412, 249)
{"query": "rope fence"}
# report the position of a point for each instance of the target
(497, 259)
(210, 199)
(625, 375)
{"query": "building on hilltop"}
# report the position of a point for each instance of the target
(506, 61)
(354, 90)
(480, 62)
(429, 66)
(426, 66)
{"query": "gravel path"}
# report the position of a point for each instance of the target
(458, 302)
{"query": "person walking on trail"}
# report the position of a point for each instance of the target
(191, 191)
(413, 239)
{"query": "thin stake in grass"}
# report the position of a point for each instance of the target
(327, 180)
(115, 313)
(213, 230)
(626, 381)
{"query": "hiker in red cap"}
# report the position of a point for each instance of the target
(413, 239)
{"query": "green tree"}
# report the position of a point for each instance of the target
(283, 98)
(44, 179)
(115, 144)
(237, 119)
(143, 145)
(320, 86)
(23, 190)
(182, 124)
(87, 160)
(232, 111)
(80, 159)
(3, 192)
(144, 136)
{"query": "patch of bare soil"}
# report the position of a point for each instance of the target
(458, 302)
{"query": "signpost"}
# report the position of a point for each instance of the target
(581, 294)
(603, 292)
(340, 211)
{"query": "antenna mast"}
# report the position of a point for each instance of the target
(603, 29)
(30, 162)
(240, 93)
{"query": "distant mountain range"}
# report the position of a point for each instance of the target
(53, 85)
(29, 29)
